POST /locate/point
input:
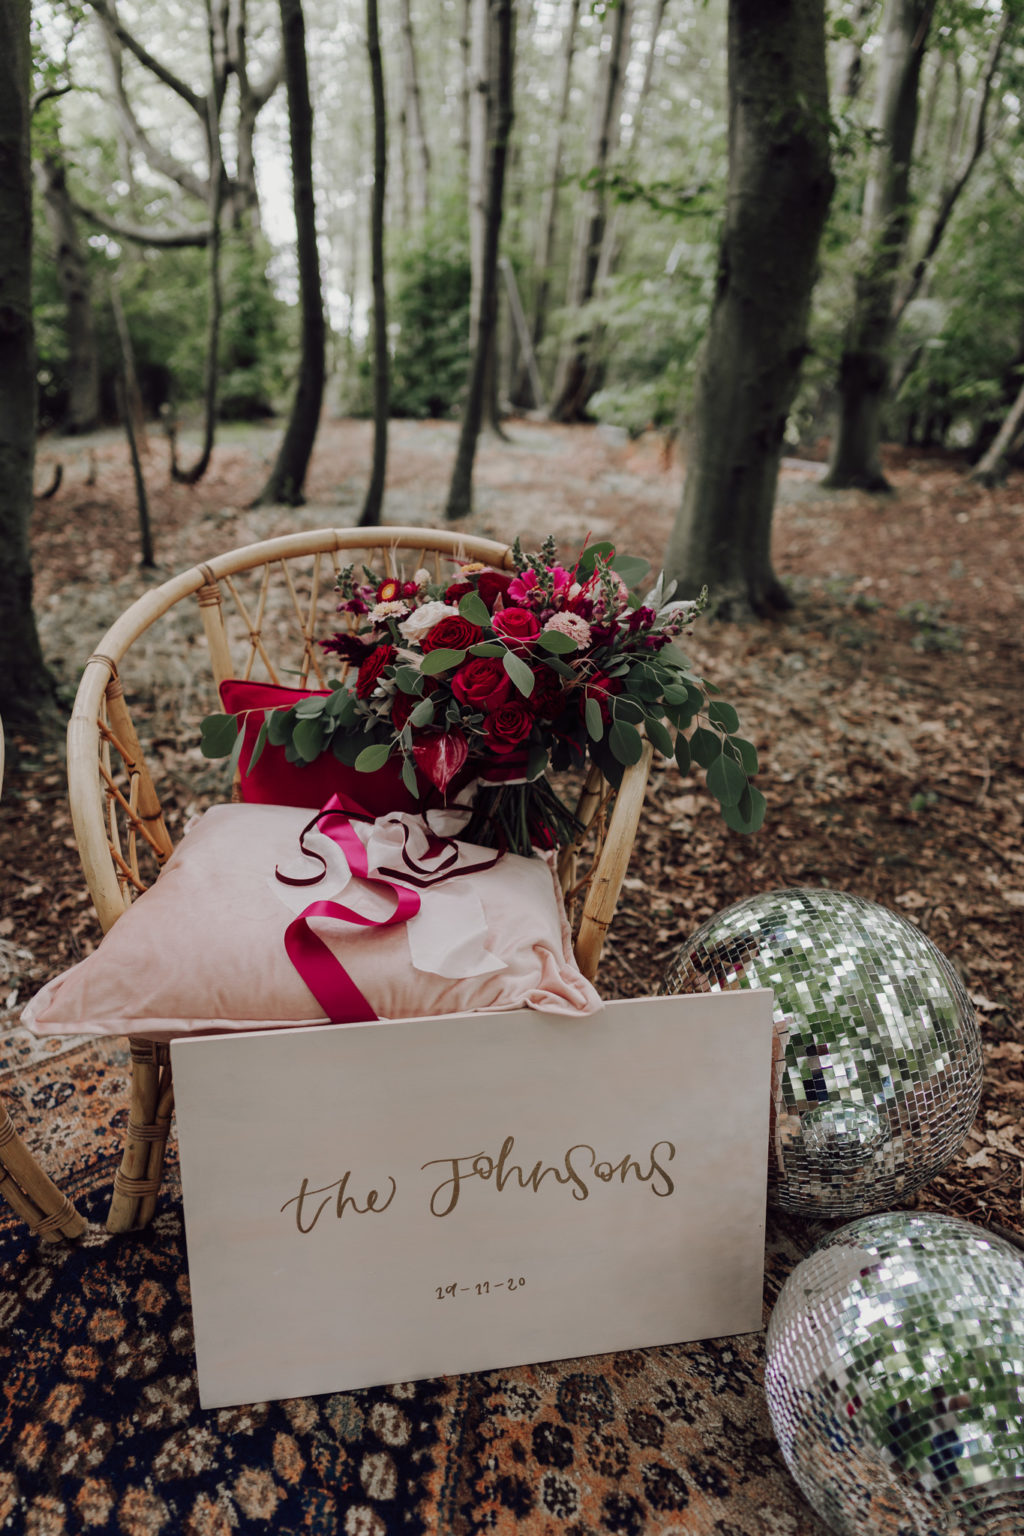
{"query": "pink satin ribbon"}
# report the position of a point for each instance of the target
(323, 973)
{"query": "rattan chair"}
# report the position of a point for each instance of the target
(262, 608)
(29, 1191)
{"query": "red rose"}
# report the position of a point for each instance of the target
(508, 726)
(517, 627)
(372, 668)
(482, 683)
(491, 585)
(455, 633)
(599, 687)
(457, 590)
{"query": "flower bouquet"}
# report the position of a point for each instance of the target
(493, 679)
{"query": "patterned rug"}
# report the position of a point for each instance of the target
(101, 1429)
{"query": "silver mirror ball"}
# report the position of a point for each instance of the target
(895, 1378)
(878, 1058)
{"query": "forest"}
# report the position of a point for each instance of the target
(475, 212)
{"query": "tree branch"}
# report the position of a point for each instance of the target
(113, 23)
(49, 93)
(160, 161)
(186, 235)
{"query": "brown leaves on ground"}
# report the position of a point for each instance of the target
(886, 707)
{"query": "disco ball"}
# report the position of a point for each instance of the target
(878, 1066)
(895, 1378)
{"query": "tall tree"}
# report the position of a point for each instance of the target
(548, 221)
(417, 158)
(375, 491)
(591, 212)
(289, 472)
(865, 361)
(460, 493)
(26, 688)
(779, 188)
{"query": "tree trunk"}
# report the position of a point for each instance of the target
(548, 222)
(778, 140)
(27, 698)
(975, 131)
(864, 364)
(588, 233)
(851, 58)
(211, 367)
(419, 149)
(465, 54)
(289, 472)
(460, 494)
(479, 117)
(83, 411)
(612, 237)
(375, 491)
(991, 468)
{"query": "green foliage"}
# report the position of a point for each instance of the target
(429, 319)
(252, 332)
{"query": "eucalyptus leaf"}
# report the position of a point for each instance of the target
(683, 754)
(705, 746)
(628, 709)
(257, 751)
(748, 815)
(474, 610)
(555, 642)
(726, 780)
(748, 754)
(441, 660)
(217, 735)
(409, 778)
(594, 720)
(724, 715)
(659, 736)
(311, 708)
(590, 556)
(279, 727)
(372, 759)
(487, 648)
(409, 679)
(519, 672)
(308, 739)
(631, 568)
(423, 714)
(626, 742)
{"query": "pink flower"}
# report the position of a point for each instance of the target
(521, 588)
(572, 625)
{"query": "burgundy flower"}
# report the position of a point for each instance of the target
(457, 590)
(349, 647)
(455, 633)
(371, 669)
(517, 627)
(482, 683)
(600, 687)
(508, 726)
(491, 585)
(548, 697)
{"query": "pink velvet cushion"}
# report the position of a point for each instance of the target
(276, 781)
(203, 950)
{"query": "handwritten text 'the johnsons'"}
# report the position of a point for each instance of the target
(580, 1169)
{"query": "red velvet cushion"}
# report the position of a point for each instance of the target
(276, 781)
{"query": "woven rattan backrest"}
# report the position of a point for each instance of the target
(261, 609)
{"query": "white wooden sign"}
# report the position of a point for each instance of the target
(381, 1202)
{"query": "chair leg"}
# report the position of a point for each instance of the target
(137, 1181)
(31, 1192)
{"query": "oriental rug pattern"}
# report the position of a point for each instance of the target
(101, 1432)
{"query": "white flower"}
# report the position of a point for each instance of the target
(421, 577)
(572, 625)
(381, 611)
(422, 620)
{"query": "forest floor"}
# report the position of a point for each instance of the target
(887, 706)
